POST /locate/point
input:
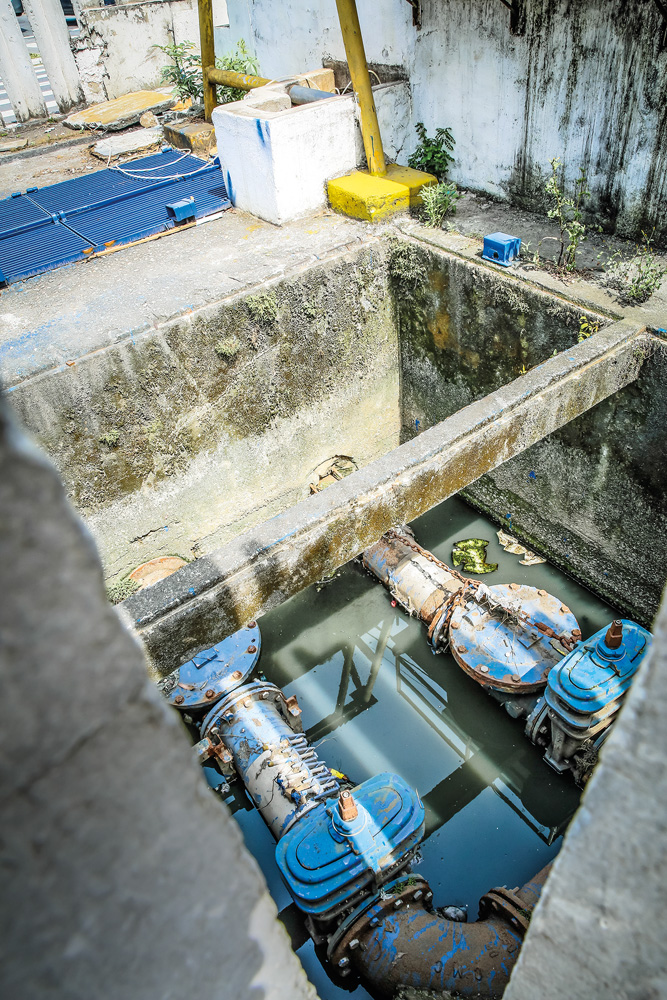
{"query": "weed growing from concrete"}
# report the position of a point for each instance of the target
(439, 200)
(433, 155)
(587, 328)
(405, 268)
(263, 308)
(227, 347)
(567, 212)
(121, 590)
(111, 438)
(639, 277)
(185, 73)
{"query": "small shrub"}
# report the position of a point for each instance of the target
(638, 278)
(586, 328)
(227, 347)
(184, 71)
(121, 590)
(262, 308)
(433, 155)
(567, 213)
(405, 267)
(439, 200)
(111, 438)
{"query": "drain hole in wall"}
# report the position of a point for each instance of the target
(330, 472)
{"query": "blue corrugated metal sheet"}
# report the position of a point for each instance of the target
(55, 225)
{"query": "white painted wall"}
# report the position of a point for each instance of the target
(586, 82)
(276, 164)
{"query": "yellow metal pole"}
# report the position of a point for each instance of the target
(361, 82)
(207, 41)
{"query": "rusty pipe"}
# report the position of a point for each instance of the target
(228, 78)
(410, 945)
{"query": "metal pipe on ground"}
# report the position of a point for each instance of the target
(240, 81)
(307, 95)
(411, 945)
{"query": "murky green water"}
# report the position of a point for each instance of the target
(375, 698)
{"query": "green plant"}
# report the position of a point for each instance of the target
(639, 277)
(185, 73)
(405, 267)
(227, 347)
(262, 308)
(586, 328)
(433, 155)
(439, 200)
(121, 590)
(567, 212)
(111, 438)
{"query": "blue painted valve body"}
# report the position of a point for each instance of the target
(585, 692)
(214, 672)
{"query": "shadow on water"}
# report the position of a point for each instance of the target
(375, 698)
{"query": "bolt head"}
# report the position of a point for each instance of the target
(343, 962)
(398, 903)
(210, 693)
(179, 699)
(354, 944)
(252, 649)
(461, 649)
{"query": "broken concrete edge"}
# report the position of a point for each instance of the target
(36, 150)
(219, 593)
(204, 312)
(542, 283)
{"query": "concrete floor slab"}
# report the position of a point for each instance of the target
(61, 316)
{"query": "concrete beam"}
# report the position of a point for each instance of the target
(52, 36)
(215, 595)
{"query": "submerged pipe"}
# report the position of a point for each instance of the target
(411, 945)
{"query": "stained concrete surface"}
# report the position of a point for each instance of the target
(122, 875)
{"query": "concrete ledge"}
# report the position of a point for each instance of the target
(215, 595)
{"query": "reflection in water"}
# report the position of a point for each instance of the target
(375, 698)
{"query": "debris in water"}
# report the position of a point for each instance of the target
(510, 544)
(470, 554)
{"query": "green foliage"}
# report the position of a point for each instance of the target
(439, 200)
(121, 590)
(111, 438)
(432, 155)
(586, 328)
(184, 70)
(227, 347)
(185, 74)
(262, 308)
(567, 212)
(405, 268)
(639, 277)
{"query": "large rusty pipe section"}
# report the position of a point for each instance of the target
(412, 945)
(240, 81)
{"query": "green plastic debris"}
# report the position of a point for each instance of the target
(470, 555)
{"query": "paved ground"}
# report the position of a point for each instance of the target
(7, 116)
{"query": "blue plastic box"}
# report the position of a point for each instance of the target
(501, 248)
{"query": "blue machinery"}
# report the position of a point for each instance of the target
(344, 852)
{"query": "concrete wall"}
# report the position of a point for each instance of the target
(116, 51)
(276, 163)
(585, 81)
(598, 930)
(591, 495)
(123, 876)
(176, 440)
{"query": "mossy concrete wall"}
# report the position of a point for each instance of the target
(466, 331)
(176, 440)
(591, 496)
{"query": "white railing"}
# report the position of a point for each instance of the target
(53, 42)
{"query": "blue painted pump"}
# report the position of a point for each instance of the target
(501, 248)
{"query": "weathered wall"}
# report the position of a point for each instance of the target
(598, 930)
(116, 51)
(465, 331)
(175, 440)
(586, 81)
(122, 875)
(591, 496)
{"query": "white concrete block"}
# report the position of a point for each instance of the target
(276, 164)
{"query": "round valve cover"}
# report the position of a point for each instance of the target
(214, 672)
(502, 654)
